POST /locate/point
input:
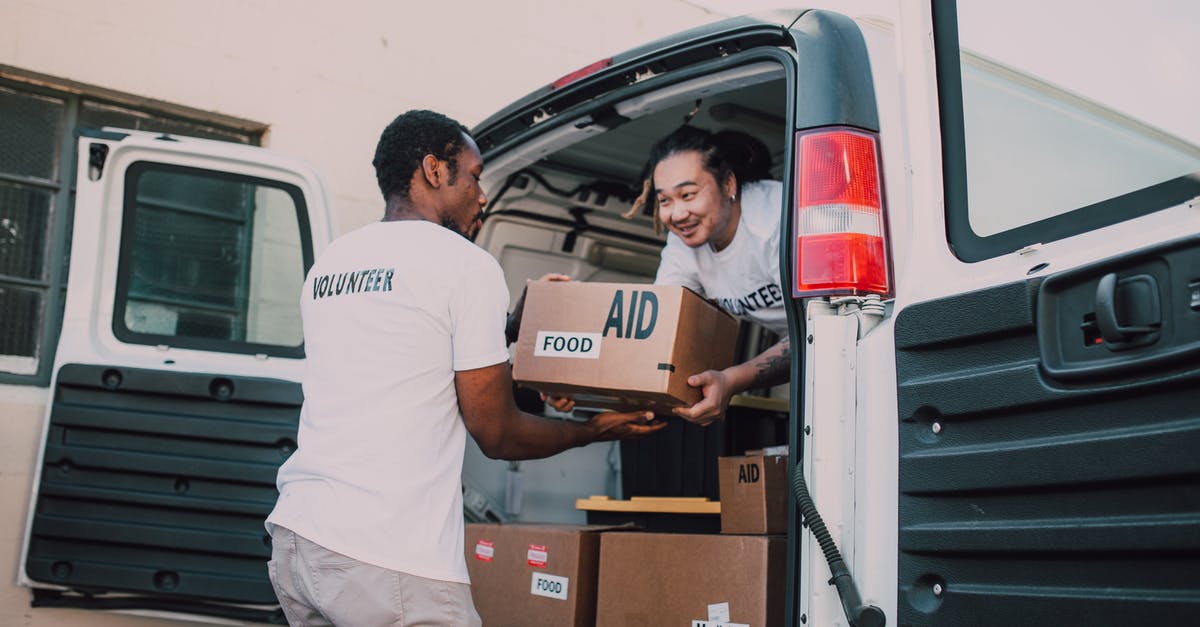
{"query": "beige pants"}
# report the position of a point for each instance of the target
(317, 586)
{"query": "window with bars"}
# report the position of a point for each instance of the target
(37, 159)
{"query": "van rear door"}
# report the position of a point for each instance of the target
(1047, 335)
(175, 390)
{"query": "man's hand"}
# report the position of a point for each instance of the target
(563, 404)
(550, 276)
(613, 425)
(771, 367)
(714, 384)
(504, 432)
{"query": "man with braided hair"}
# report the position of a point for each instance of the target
(710, 191)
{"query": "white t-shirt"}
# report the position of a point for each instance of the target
(390, 312)
(743, 277)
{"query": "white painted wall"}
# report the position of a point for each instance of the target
(326, 77)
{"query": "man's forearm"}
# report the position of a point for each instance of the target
(527, 436)
(774, 365)
(771, 367)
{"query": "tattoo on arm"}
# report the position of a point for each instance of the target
(775, 369)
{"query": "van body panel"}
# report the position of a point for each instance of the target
(1030, 496)
(1026, 496)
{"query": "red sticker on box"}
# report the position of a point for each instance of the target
(537, 555)
(484, 551)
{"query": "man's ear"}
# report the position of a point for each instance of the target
(731, 186)
(431, 167)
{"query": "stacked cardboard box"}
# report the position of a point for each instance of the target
(534, 575)
(655, 579)
(753, 494)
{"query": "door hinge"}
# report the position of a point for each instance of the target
(97, 155)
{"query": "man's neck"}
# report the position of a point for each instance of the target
(398, 209)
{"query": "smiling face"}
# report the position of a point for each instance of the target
(692, 204)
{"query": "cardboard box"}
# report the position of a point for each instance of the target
(754, 493)
(534, 575)
(656, 579)
(620, 346)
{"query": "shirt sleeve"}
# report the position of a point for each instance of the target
(677, 266)
(478, 308)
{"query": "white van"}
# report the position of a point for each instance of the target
(997, 424)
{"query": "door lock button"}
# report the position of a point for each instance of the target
(1194, 290)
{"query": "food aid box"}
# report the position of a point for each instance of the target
(687, 579)
(620, 346)
(527, 575)
(753, 491)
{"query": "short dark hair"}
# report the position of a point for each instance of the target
(406, 141)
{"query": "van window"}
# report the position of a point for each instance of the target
(1042, 146)
(210, 260)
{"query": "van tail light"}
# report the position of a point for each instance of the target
(842, 246)
(582, 72)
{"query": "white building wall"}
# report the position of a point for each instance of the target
(326, 77)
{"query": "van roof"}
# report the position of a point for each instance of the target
(663, 55)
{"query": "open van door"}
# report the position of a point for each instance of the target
(1047, 341)
(175, 389)
(801, 82)
(563, 169)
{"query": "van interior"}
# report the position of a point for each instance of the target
(556, 204)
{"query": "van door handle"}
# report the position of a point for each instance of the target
(1138, 300)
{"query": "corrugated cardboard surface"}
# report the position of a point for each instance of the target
(650, 339)
(753, 494)
(501, 587)
(655, 580)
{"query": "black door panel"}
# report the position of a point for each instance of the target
(158, 483)
(1032, 498)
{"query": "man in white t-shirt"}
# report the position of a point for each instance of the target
(406, 354)
(743, 276)
(710, 190)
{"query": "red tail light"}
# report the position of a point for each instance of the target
(841, 226)
(582, 72)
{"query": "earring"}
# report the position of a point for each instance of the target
(732, 198)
